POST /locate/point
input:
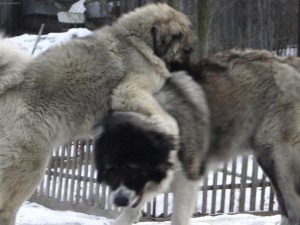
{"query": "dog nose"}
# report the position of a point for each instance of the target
(121, 200)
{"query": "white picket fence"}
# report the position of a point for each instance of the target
(70, 183)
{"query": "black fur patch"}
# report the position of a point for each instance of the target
(128, 152)
(197, 70)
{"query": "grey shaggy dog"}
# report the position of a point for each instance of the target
(65, 92)
(250, 103)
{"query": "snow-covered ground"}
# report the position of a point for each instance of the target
(34, 214)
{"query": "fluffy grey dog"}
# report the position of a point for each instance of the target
(66, 91)
(253, 101)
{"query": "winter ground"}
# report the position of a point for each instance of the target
(34, 214)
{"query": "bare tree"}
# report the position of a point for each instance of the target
(298, 33)
(203, 11)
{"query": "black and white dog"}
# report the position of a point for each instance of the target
(138, 162)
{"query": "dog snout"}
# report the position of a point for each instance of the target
(121, 200)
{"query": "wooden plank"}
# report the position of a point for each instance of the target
(86, 170)
(92, 182)
(73, 171)
(254, 187)
(55, 172)
(154, 207)
(148, 209)
(232, 189)
(243, 184)
(61, 167)
(109, 205)
(97, 196)
(103, 197)
(166, 203)
(80, 153)
(67, 172)
(223, 194)
(214, 193)
(48, 178)
(204, 195)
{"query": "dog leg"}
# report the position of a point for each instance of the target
(19, 179)
(280, 162)
(184, 201)
(131, 215)
(128, 216)
(284, 220)
(132, 99)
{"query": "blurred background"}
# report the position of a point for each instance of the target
(220, 24)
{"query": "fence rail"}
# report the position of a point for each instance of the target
(70, 183)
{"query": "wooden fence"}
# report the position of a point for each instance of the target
(70, 183)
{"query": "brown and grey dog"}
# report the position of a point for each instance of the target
(245, 100)
(65, 92)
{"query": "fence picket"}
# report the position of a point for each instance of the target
(214, 192)
(204, 196)
(232, 190)
(223, 194)
(254, 186)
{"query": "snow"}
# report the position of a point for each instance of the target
(34, 214)
(26, 41)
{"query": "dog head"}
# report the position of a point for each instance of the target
(132, 158)
(173, 37)
(167, 31)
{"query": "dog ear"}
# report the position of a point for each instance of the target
(154, 32)
(161, 43)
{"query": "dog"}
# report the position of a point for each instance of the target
(138, 162)
(253, 106)
(66, 91)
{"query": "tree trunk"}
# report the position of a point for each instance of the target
(175, 4)
(203, 25)
(298, 31)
